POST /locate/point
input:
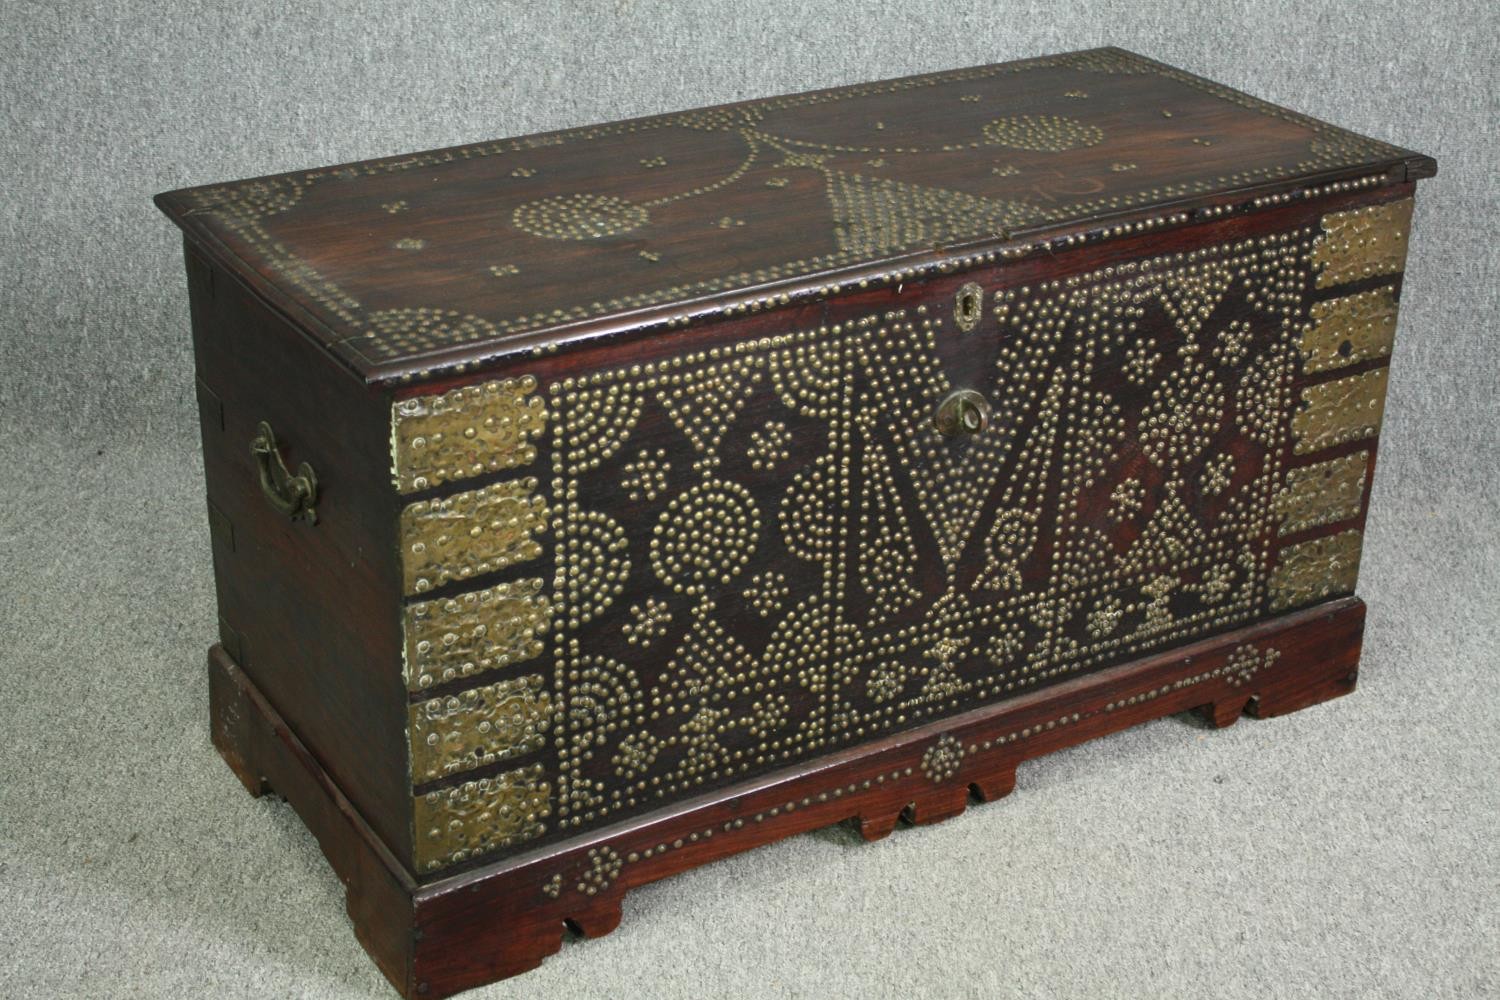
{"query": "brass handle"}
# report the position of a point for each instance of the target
(294, 496)
(963, 411)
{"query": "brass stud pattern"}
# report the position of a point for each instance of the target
(480, 726)
(769, 446)
(1042, 133)
(1218, 474)
(604, 867)
(594, 560)
(1238, 667)
(467, 534)
(866, 643)
(1323, 493)
(1363, 243)
(941, 760)
(706, 536)
(579, 217)
(396, 331)
(648, 621)
(646, 477)
(1246, 661)
(477, 817)
(474, 632)
(465, 432)
(1311, 571)
(1349, 330)
(767, 592)
(1346, 409)
(873, 215)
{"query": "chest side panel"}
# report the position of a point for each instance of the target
(304, 601)
(760, 548)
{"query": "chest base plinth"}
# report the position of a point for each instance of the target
(436, 938)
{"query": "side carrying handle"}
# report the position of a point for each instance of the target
(293, 495)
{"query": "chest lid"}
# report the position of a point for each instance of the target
(411, 266)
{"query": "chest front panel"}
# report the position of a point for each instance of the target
(752, 553)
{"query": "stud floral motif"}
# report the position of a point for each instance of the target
(941, 760)
(604, 868)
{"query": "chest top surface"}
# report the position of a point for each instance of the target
(417, 264)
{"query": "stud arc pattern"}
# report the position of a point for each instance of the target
(877, 190)
(875, 574)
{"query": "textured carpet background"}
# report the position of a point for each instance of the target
(1347, 851)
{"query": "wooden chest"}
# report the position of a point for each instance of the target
(591, 505)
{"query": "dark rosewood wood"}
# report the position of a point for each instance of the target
(504, 918)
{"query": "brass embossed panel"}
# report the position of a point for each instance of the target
(1346, 409)
(466, 534)
(1351, 329)
(468, 820)
(1363, 243)
(465, 432)
(476, 727)
(470, 633)
(1311, 571)
(1323, 493)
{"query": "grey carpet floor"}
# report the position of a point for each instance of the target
(1350, 850)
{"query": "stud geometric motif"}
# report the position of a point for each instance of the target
(869, 215)
(579, 217)
(1042, 133)
(941, 760)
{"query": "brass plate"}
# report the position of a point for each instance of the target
(1324, 493)
(466, 534)
(1311, 571)
(1346, 409)
(477, 727)
(1348, 330)
(468, 634)
(1362, 243)
(476, 817)
(465, 432)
